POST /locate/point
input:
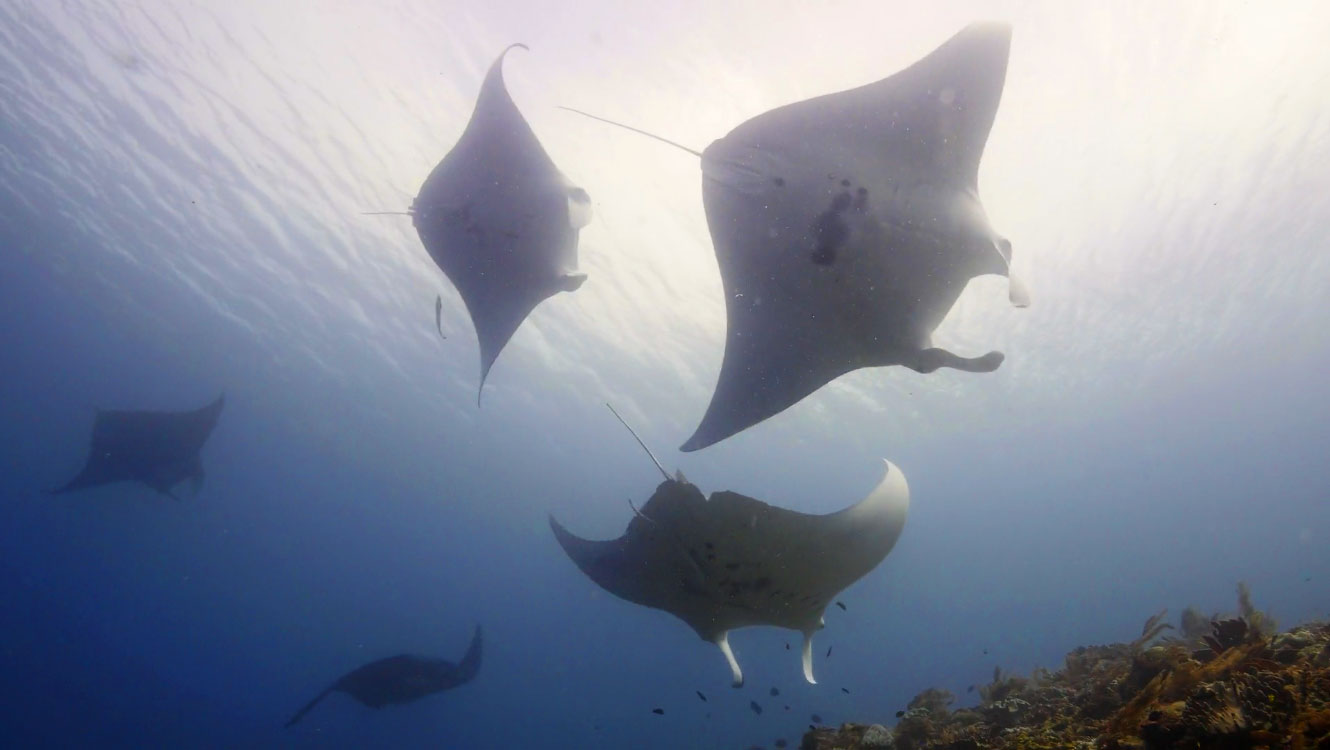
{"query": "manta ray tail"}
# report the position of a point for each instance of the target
(698, 154)
(301, 713)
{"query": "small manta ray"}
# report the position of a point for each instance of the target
(731, 561)
(846, 226)
(402, 679)
(500, 220)
(158, 448)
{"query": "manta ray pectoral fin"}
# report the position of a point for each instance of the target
(737, 675)
(571, 282)
(469, 667)
(808, 658)
(928, 360)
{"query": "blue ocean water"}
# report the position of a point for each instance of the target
(180, 216)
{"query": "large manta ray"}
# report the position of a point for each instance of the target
(846, 226)
(158, 448)
(500, 220)
(730, 561)
(402, 679)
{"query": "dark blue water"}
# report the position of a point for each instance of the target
(179, 216)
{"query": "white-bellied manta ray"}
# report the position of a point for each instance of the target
(402, 679)
(158, 448)
(730, 561)
(500, 220)
(847, 225)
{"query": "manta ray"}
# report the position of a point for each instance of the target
(500, 220)
(847, 225)
(158, 448)
(402, 679)
(731, 561)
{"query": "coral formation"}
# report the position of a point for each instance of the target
(1229, 683)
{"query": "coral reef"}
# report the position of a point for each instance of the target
(1229, 683)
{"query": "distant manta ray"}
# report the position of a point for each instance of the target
(500, 220)
(730, 561)
(847, 225)
(158, 448)
(401, 679)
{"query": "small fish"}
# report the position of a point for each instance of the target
(658, 711)
(985, 652)
(828, 656)
(816, 719)
(899, 714)
(787, 708)
(970, 689)
(756, 708)
(780, 742)
(841, 605)
(774, 692)
(699, 694)
(438, 315)
(787, 646)
(845, 690)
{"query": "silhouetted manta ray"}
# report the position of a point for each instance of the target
(402, 679)
(846, 226)
(730, 561)
(159, 448)
(500, 220)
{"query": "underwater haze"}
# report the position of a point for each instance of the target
(183, 214)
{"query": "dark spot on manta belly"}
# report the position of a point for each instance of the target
(778, 181)
(756, 708)
(830, 231)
